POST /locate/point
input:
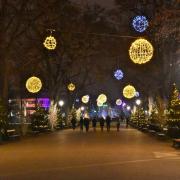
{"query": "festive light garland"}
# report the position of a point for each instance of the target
(102, 98)
(71, 87)
(140, 23)
(85, 99)
(33, 84)
(118, 74)
(50, 43)
(129, 92)
(141, 51)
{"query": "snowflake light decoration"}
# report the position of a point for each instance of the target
(50, 43)
(33, 84)
(140, 23)
(141, 51)
(118, 74)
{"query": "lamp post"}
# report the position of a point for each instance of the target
(138, 102)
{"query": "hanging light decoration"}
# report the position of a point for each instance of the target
(140, 23)
(102, 98)
(118, 74)
(129, 92)
(141, 51)
(71, 87)
(33, 84)
(85, 99)
(118, 102)
(99, 104)
(50, 43)
(137, 94)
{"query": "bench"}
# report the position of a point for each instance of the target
(12, 134)
(161, 135)
(176, 142)
(152, 132)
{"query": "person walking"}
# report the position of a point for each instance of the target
(118, 123)
(73, 122)
(127, 122)
(81, 123)
(101, 123)
(94, 122)
(86, 124)
(108, 123)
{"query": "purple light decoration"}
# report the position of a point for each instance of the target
(44, 102)
(118, 74)
(124, 104)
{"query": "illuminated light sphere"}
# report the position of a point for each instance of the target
(50, 43)
(61, 103)
(118, 102)
(99, 104)
(102, 98)
(85, 99)
(33, 84)
(137, 94)
(141, 51)
(129, 92)
(71, 87)
(138, 101)
(82, 108)
(140, 23)
(118, 74)
(128, 108)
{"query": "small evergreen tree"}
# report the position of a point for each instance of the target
(174, 108)
(153, 119)
(60, 119)
(142, 118)
(39, 119)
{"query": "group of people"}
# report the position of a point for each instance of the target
(85, 122)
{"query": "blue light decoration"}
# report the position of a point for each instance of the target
(118, 74)
(140, 23)
(137, 94)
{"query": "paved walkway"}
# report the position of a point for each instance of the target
(68, 155)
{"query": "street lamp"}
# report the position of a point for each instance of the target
(82, 108)
(61, 103)
(138, 102)
(128, 108)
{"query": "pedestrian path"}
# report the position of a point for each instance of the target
(98, 155)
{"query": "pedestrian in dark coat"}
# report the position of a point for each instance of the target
(118, 121)
(73, 122)
(94, 122)
(127, 122)
(86, 124)
(102, 123)
(81, 123)
(108, 123)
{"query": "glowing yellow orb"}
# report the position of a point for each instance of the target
(102, 98)
(33, 84)
(71, 87)
(85, 99)
(129, 92)
(99, 104)
(141, 51)
(50, 43)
